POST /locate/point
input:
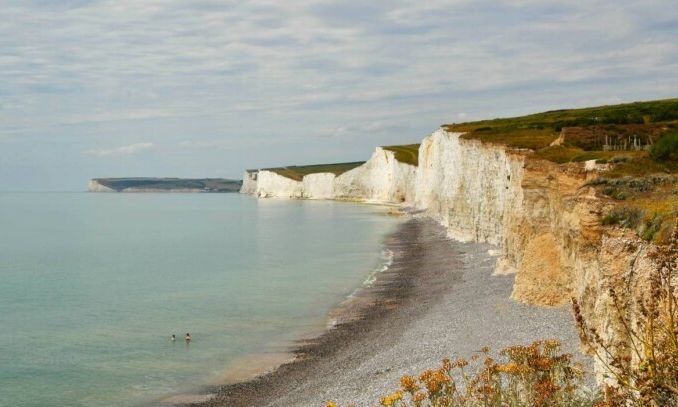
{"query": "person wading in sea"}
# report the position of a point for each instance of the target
(187, 337)
(173, 338)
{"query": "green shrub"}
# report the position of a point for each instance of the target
(618, 159)
(666, 148)
(535, 375)
(623, 216)
(651, 226)
(614, 193)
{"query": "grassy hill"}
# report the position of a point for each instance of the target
(538, 130)
(584, 132)
(202, 184)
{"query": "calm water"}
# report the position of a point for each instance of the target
(93, 285)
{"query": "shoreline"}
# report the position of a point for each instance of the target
(424, 307)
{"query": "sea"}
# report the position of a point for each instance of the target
(92, 286)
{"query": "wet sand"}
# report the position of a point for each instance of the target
(438, 299)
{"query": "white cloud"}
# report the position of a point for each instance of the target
(222, 75)
(122, 150)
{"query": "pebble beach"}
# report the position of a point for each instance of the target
(439, 298)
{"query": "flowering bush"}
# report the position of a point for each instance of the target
(534, 375)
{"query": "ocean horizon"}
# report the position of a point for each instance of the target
(93, 285)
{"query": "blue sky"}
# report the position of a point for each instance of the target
(207, 88)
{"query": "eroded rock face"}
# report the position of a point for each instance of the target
(542, 279)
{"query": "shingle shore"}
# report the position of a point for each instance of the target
(438, 299)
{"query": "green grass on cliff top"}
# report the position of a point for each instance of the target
(297, 172)
(408, 153)
(536, 131)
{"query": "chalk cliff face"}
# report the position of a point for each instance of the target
(318, 186)
(542, 216)
(468, 186)
(272, 185)
(95, 186)
(249, 182)
(545, 220)
(381, 179)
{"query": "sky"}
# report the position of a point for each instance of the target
(203, 88)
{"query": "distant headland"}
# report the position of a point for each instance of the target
(147, 184)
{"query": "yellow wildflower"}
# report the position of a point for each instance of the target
(391, 399)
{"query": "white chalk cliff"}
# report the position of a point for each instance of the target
(542, 215)
(381, 179)
(95, 186)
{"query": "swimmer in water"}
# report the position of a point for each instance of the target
(173, 338)
(188, 337)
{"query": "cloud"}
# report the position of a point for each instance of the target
(122, 150)
(222, 75)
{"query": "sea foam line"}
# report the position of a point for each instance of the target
(386, 262)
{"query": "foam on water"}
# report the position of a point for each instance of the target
(386, 261)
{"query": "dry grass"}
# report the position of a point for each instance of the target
(533, 139)
(647, 204)
(640, 164)
(566, 154)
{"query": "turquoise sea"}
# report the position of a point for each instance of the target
(93, 285)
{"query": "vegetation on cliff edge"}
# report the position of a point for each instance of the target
(534, 375)
(535, 131)
(297, 172)
(407, 153)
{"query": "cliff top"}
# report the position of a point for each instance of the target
(297, 172)
(625, 132)
(605, 128)
(407, 153)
